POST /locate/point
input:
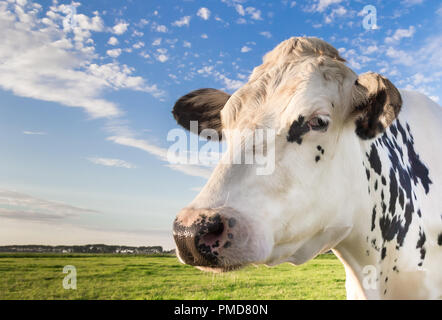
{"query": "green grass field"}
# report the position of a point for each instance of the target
(40, 276)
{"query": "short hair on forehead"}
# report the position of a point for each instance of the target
(276, 64)
(294, 49)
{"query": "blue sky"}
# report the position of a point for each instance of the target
(86, 91)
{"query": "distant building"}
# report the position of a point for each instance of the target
(90, 248)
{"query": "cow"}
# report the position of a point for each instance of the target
(358, 169)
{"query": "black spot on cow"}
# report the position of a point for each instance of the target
(317, 158)
(392, 227)
(406, 171)
(319, 148)
(422, 239)
(418, 171)
(367, 172)
(383, 253)
(393, 130)
(232, 222)
(375, 161)
(373, 218)
(227, 244)
(374, 245)
(420, 244)
(230, 236)
(439, 239)
(386, 279)
(401, 197)
(297, 130)
(384, 207)
(393, 192)
(376, 185)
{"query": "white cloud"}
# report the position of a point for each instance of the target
(43, 61)
(354, 64)
(157, 42)
(162, 57)
(138, 45)
(203, 13)
(435, 98)
(204, 36)
(21, 206)
(117, 76)
(266, 34)
(114, 53)
(160, 28)
(411, 2)
(39, 133)
(112, 163)
(400, 56)
(184, 21)
(187, 44)
(245, 49)
(112, 41)
(337, 12)
(254, 13)
(321, 5)
(371, 49)
(399, 34)
(340, 11)
(120, 28)
(162, 154)
(240, 9)
(207, 70)
(231, 84)
(137, 33)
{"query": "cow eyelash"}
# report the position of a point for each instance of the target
(318, 124)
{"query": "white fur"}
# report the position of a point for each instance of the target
(307, 207)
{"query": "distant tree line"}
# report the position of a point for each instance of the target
(89, 248)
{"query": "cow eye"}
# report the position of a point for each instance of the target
(318, 123)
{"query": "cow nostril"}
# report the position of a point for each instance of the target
(214, 234)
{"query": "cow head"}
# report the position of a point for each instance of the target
(320, 111)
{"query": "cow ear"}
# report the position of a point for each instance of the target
(376, 103)
(204, 106)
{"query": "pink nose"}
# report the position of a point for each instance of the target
(202, 235)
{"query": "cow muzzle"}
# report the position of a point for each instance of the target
(208, 237)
